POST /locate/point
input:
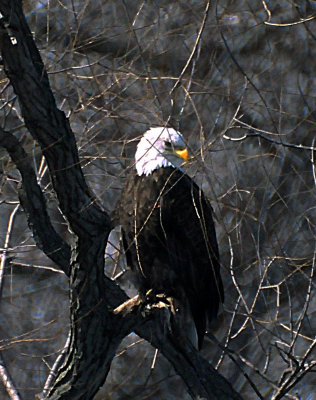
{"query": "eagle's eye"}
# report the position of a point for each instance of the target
(168, 144)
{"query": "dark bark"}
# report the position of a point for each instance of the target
(46, 123)
(33, 203)
(94, 334)
(95, 330)
(201, 379)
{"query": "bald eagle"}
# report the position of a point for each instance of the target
(168, 232)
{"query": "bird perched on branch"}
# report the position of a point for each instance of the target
(168, 232)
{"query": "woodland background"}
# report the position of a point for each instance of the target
(238, 79)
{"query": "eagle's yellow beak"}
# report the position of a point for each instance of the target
(183, 154)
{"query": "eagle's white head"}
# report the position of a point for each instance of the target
(160, 147)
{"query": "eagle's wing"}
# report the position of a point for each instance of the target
(190, 234)
(170, 241)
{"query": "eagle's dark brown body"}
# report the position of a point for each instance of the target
(170, 241)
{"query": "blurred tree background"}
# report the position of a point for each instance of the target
(237, 79)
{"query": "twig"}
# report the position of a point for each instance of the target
(259, 133)
(286, 24)
(6, 244)
(313, 160)
(54, 370)
(4, 374)
(195, 48)
(7, 382)
(128, 306)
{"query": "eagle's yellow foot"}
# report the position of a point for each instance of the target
(159, 300)
(149, 292)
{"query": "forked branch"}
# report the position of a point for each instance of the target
(96, 331)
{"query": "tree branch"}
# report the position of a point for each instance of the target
(95, 330)
(46, 123)
(8, 382)
(33, 203)
(201, 379)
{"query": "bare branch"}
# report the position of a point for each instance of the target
(54, 370)
(33, 202)
(8, 382)
(202, 380)
(47, 124)
(255, 132)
